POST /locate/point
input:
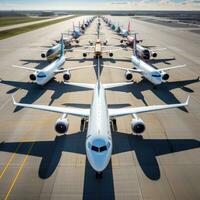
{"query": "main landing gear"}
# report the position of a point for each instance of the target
(113, 124)
(84, 124)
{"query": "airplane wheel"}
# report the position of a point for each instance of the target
(114, 122)
(82, 124)
(99, 175)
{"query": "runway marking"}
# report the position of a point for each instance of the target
(10, 160)
(19, 171)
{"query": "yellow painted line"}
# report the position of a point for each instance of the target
(19, 171)
(10, 160)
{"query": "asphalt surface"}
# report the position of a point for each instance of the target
(163, 163)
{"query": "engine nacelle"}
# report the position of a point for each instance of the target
(77, 41)
(111, 54)
(137, 126)
(66, 76)
(165, 76)
(62, 125)
(43, 55)
(32, 77)
(91, 43)
(154, 54)
(105, 43)
(84, 55)
(128, 75)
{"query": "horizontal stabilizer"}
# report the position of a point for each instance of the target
(83, 85)
(73, 68)
(113, 85)
(124, 69)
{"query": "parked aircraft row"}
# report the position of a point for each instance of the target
(99, 138)
(139, 57)
(68, 38)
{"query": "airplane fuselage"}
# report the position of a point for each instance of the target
(46, 74)
(99, 140)
(151, 74)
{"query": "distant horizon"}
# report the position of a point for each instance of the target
(93, 5)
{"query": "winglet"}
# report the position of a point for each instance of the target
(187, 100)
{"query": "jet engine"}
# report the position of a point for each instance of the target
(137, 125)
(32, 77)
(66, 76)
(153, 54)
(128, 75)
(111, 54)
(91, 43)
(43, 55)
(105, 42)
(165, 76)
(62, 125)
(84, 55)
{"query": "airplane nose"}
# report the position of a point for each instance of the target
(99, 162)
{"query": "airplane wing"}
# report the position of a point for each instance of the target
(73, 69)
(113, 85)
(64, 110)
(27, 68)
(84, 85)
(137, 110)
(124, 69)
(161, 49)
(168, 68)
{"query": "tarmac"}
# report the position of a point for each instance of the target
(163, 163)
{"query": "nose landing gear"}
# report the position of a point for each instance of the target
(99, 175)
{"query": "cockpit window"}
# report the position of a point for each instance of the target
(99, 149)
(156, 75)
(50, 51)
(41, 75)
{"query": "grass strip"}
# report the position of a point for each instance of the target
(8, 21)
(16, 31)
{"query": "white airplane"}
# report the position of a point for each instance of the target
(99, 139)
(41, 77)
(155, 76)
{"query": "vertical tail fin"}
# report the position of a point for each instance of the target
(134, 45)
(62, 46)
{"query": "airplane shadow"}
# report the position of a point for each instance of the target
(162, 91)
(162, 60)
(34, 91)
(98, 188)
(146, 151)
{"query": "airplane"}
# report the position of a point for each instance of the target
(41, 77)
(125, 32)
(52, 53)
(98, 48)
(155, 76)
(99, 138)
(143, 52)
(77, 31)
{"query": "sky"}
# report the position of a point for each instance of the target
(100, 5)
